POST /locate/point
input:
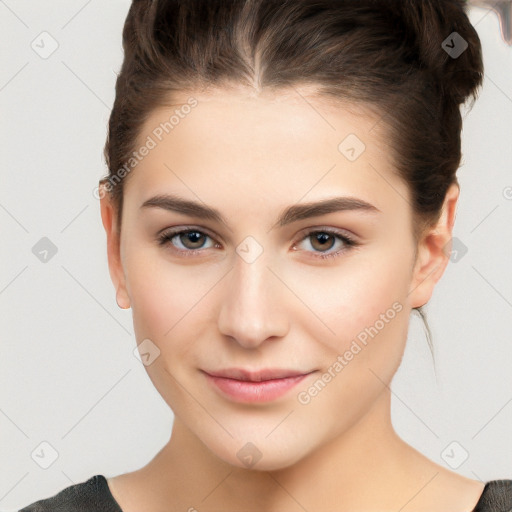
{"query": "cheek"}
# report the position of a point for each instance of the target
(366, 310)
(355, 294)
(158, 295)
(169, 301)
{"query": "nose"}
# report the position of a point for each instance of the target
(254, 304)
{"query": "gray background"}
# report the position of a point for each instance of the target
(68, 374)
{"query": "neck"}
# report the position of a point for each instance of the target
(187, 473)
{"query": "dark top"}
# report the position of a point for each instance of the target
(95, 496)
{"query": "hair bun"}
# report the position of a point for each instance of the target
(446, 44)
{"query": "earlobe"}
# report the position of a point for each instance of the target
(122, 298)
(433, 252)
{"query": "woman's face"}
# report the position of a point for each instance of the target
(253, 291)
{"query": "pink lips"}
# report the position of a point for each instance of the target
(247, 386)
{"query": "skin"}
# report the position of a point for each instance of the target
(251, 155)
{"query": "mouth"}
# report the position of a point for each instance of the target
(247, 386)
(257, 375)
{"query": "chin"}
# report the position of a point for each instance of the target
(261, 455)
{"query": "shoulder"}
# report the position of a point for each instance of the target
(496, 497)
(82, 497)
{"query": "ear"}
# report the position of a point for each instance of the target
(434, 250)
(109, 219)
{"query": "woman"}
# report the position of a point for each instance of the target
(281, 195)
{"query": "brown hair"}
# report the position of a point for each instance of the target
(400, 57)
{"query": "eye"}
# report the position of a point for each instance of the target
(192, 241)
(325, 239)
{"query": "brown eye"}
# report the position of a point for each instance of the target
(320, 240)
(194, 238)
(186, 242)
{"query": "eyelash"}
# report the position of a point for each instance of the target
(166, 238)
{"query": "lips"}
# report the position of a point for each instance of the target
(242, 374)
(246, 386)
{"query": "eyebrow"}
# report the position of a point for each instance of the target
(291, 214)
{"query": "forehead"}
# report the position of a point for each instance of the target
(275, 145)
